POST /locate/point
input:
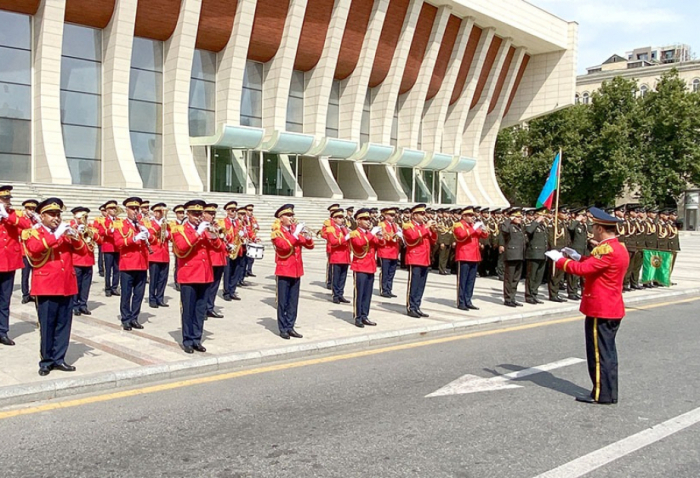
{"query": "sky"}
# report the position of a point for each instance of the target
(617, 26)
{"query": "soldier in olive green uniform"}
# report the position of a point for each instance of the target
(674, 243)
(498, 243)
(513, 235)
(637, 218)
(534, 255)
(578, 237)
(651, 238)
(625, 235)
(558, 242)
(445, 240)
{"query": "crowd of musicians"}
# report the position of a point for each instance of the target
(133, 242)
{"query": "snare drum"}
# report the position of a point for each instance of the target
(255, 251)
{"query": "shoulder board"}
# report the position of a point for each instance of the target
(382, 224)
(327, 223)
(601, 250)
(276, 225)
(176, 228)
(20, 213)
(118, 223)
(457, 224)
(408, 225)
(276, 234)
(172, 224)
(146, 222)
(31, 232)
(221, 222)
(355, 233)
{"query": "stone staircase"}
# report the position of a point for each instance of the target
(312, 211)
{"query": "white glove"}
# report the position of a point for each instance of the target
(347, 236)
(478, 225)
(554, 255)
(241, 234)
(141, 236)
(375, 230)
(229, 247)
(60, 230)
(298, 229)
(144, 230)
(202, 227)
(571, 253)
(81, 228)
(3, 212)
(399, 234)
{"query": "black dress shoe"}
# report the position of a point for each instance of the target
(295, 334)
(413, 313)
(188, 349)
(509, 304)
(462, 307)
(472, 307)
(336, 300)
(227, 298)
(63, 367)
(5, 340)
(626, 289)
(135, 324)
(422, 314)
(126, 327)
(343, 300)
(85, 311)
(199, 348)
(26, 300)
(108, 293)
(116, 292)
(585, 399)
(358, 323)
(538, 301)
(369, 322)
(214, 314)
(393, 295)
(531, 301)
(162, 304)
(388, 296)
(574, 297)
(244, 284)
(236, 297)
(76, 313)
(153, 305)
(556, 299)
(284, 335)
(518, 304)
(250, 274)
(44, 371)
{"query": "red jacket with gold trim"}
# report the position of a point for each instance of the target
(160, 248)
(364, 246)
(133, 256)
(10, 233)
(84, 250)
(419, 238)
(192, 253)
(52, 262)
(390, 248)
(288, 252)
(339, 247)
(467, 240)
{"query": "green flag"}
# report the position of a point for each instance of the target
(657, 267)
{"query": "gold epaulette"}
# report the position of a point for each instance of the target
(20, 213)
(118, 223)
(172, 224)
(221, 222)
(408, 225)
(276, 234)
(31, 232)
(176, 228)
(327, 223)
(354, 234)
(601, 250)
(276, 225)
(456, 225)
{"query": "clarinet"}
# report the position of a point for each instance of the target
(138, 226)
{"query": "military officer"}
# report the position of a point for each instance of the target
(132, 238)
(602, 304)
(179, 211)
(254, 228)
(419, 236)
(49, 250)
(29, 212)
(191, 244)
(578, 241)
(159, 260)
(288, 241)
(444, 241)
(558, 240)
(100, 256)
(651, 238)
(625, 237)
(637, 217)
(537, 237)
(364, 242)
(467, 233)
(328, 223)
(350, 222)
(217, 258)
(513, 234)
(109, 251)
(335, 235)
(83, 256)
(674, 243)
(388, 252)
(233, 240)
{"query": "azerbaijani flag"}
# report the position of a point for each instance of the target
(547, 195)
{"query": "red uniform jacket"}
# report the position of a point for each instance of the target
(52, 260)
(84, 252)
(104, 226)
(288, 252)
(192, 253)
(390, 249)
(328, 223)
(10, 233)
(467, 239)
(233, 229)
(217, 253)
(604, 271)
(418, 239)
(133, 256)
(364, 251)
(339, 247)
(160, 248)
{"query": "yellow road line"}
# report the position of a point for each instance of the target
(302, 363)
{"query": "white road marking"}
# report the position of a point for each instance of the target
(473, 383)
(594, 460)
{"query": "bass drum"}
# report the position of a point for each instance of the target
(255, 251)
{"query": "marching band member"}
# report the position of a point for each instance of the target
(329, 268)
(217, 257)
(247, 238)
(339, 258)
(83, 258)
(49, 249)
(131, 238)
(388, 253)
(179, 211)
(100, 256)
(364, 246)
(467, 234)
(159, 261)
(145, 209)
(11, 226)
(230, 229)
(237, 237)
(29, 212)
(109, 251)
(419, 236)
(191, 244)
(254, 228)
(288, 241)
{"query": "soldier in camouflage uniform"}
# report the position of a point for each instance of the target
(536, 232)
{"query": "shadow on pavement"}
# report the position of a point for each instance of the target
(76, 351)
(270, 324)
(544, 380)
(20, 328)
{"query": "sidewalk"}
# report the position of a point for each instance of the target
(107, 357)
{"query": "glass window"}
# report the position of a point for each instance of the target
(251, 103)
(146, 85)
(15, 101)
(696, 85)
(15, 65)
(15, 167)
(202, 113)
(297, 85)
(201, 122)
(251, 95)
(145, 117)
(202, 95)
(82, 42)
(146, 146)
(80, 75)
(295, 114)
(15, 136)
(364, 122)
(81, 141)
(204, 65)
(395, 126)
(80, 109)
(333, 111)
(147, 54)
(252, 121)
(15, 30)
(253, 76)
(84, 171)
(151, 175)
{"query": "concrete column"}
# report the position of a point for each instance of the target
(353, 181)
(278, 71)
(318, 178)
(179, 170)
(490, 131)
(411, 114)
(50, 164)
(382, 116)
(384, 181)
(475, 125)
(229, 77)
(319, 80)
(435, 117)
(354, 88)
(118, 164)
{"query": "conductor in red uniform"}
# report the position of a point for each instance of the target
(364, 244)
(50, 250)
(420, 235)
(288, 242)
(604, 272)
(467, 233)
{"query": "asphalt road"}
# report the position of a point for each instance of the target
(368, 416)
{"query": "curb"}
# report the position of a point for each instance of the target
(25, 393)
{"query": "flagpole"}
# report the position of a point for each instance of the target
(556, 207)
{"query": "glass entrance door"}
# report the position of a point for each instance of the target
(227, 171)
(279, 174)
